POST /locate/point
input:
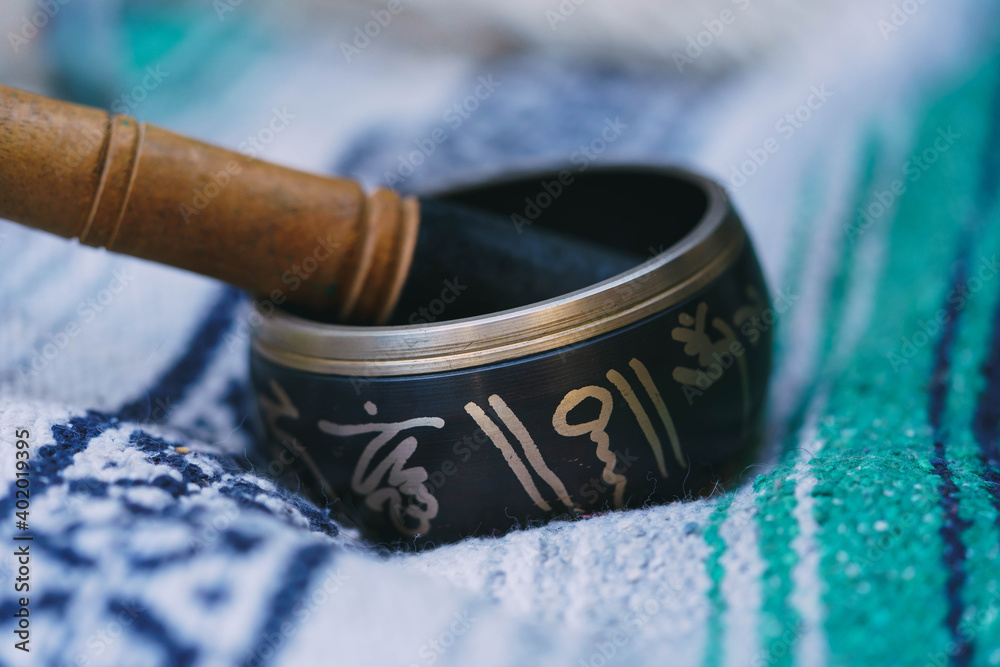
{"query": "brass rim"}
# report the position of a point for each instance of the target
(665, 280)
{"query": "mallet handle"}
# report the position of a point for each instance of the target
(137, 189)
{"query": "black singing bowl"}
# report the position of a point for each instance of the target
(646, 387)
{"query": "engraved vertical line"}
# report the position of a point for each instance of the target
(500, 441)
(641, 416)
(661, 408)
(534, 456)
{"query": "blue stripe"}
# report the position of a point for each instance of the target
(173, 385)
(48, 463)
(73, 437)
(953, 525)
(149, 627)
(299, 575)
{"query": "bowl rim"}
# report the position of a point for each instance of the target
(666, 279)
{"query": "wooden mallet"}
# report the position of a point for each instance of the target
(325, 244)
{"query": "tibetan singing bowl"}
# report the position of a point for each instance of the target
(646, 387)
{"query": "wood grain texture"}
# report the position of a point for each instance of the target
(134, 188)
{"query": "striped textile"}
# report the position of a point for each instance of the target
(866, 533)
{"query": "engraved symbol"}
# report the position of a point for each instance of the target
(531, 452)
(420, 504)
(596, 430)
(715, 355)
(272, 411)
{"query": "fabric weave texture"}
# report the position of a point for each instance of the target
(867, 532)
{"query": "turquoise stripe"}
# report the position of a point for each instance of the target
(716, 572)
(980, 621)
(775, 501)
(778, 528)
(877, 501)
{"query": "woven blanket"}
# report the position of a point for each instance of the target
(867, 532)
